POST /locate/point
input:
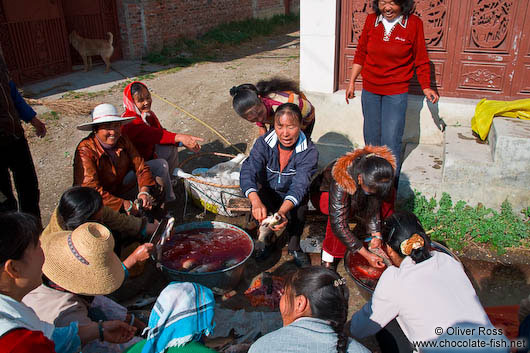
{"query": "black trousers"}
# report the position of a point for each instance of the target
(391, 339)
(16, 156)
(296, 217)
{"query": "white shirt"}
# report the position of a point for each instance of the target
(434, 293)
(389, 25)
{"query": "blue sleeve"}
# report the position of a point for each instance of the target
(306, 167)
(67, 339)
(24, 110)
(252, 167)
(126, 271)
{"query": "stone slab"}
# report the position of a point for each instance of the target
(464, 158)
(510, 141)
(421, 170)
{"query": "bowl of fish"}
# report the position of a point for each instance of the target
(210, 253)
(366, 276)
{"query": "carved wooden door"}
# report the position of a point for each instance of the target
(33, 37)
(478, 48)
(521, 76)
(486, 48)
(353, 14)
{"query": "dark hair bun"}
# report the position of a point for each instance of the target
(233, 91)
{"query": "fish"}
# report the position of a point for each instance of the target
(208, 267)
(267, 236)
(384, 257)
(164, 237)
(214, 266)
(189, 264)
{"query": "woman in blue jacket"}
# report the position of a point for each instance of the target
(277, 174)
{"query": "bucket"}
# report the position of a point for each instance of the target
(221, 281)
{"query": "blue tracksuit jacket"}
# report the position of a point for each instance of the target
(262, 168)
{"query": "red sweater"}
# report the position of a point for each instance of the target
(22, 340)
(145, 137)
(389, 65)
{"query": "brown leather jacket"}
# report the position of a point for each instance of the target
(94, 168)
(341, 191)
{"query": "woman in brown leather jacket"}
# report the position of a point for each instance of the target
(108, 162)
(360, 192)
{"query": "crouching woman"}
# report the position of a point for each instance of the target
(277, 174)
(425, 291)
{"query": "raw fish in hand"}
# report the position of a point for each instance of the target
(266, 236)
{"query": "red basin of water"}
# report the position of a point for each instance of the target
(205, 250)
(362, 271)
(368, 275)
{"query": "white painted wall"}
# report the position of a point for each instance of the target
(318, 37)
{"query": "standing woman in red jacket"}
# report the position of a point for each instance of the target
(391, 46)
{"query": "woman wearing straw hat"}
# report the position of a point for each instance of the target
(80, 204)
(109, 163)
(80, 268)
(21, 331)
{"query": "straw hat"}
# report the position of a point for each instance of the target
(104, 113)
(83, 261)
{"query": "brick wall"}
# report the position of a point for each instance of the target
(149, 25)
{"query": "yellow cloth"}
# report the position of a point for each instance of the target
(487, 109)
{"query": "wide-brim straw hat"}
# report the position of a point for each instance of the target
(104, 113)
(83, 261)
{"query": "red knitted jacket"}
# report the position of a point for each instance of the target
(144, 136)
(388, 66)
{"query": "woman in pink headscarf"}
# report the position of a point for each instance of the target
(145, 131)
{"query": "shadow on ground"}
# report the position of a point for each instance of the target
(97, 80)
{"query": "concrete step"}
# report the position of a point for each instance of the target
(473, 173)
(421, 170)
(509, 139)
(465, 159)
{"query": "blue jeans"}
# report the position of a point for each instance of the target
(384, 121)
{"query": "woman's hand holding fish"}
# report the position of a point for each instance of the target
(282, 224)
(259, 211)
(373, 259)
(141, 254)
(147, 200)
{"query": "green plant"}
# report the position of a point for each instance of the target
(186, 52)
(459, 224)
(50, 116)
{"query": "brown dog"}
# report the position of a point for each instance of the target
(90, 47)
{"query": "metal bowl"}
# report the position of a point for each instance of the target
(220, 281)
(367, 290)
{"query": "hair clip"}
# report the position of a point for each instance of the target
(339, 282)
(414, 242)
(370, 155)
